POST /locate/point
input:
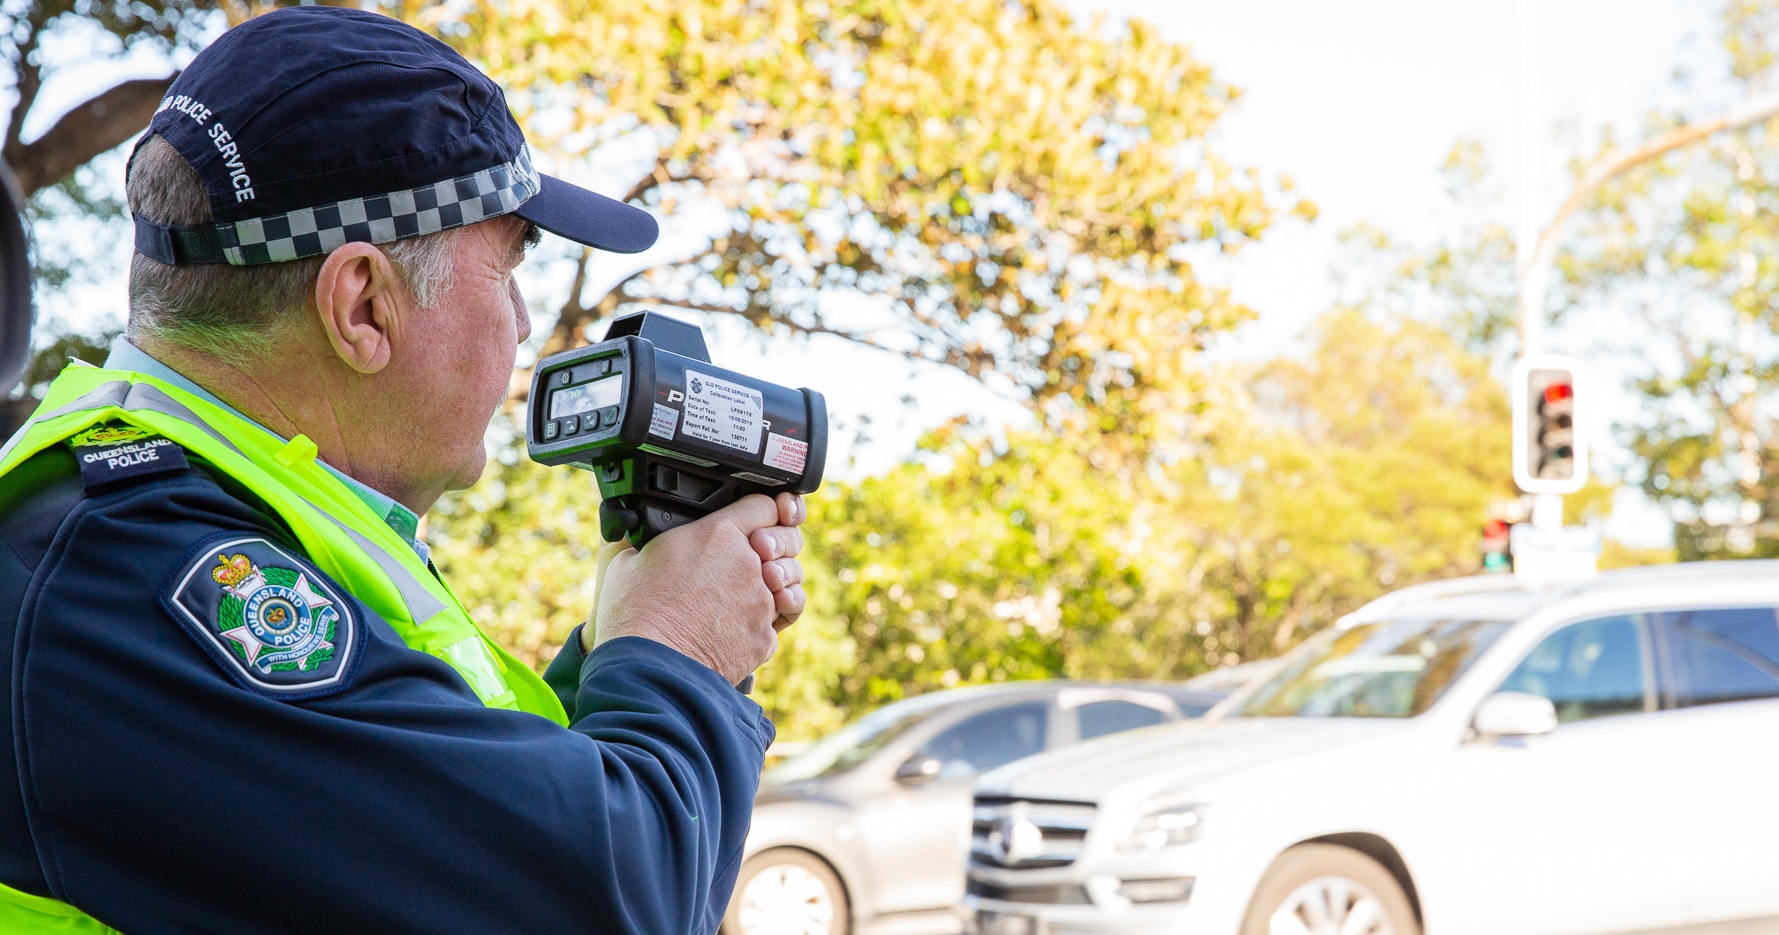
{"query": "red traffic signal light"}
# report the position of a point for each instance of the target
(1497, 546)
(1549, 456)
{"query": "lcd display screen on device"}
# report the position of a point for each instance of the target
(574, 400)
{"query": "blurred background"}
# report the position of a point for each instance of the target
(1157, 335)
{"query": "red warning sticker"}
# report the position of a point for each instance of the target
(786, 453)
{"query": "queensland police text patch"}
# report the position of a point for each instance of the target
(109, 453)
(275, 624)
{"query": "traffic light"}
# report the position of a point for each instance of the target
(1497, 551)
(1549, 450)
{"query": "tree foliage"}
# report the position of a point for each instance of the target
(1365, 464)
(999, 188)
(989, 185)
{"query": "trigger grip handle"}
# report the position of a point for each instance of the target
(616, 521)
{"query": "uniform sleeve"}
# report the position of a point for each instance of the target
(563, 674)
(166, 793)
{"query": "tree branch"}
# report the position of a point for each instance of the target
(656, 178)
(1533, 276)
(98, 125)
(799, 328)
(28, 77)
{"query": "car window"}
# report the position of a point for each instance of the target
(1725, 654)
(856, 742)
(1384, 668)
(984, 741)
(1193, 702)
(1590, 669)
(1109, 717)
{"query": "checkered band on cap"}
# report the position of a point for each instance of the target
(397, 215)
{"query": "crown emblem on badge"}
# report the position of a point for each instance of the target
(109, 435)
(281, 622)
(231, 571)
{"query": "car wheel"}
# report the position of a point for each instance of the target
(787, 892)
(1322, 889)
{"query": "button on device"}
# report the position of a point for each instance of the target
(608, 416)
(563, 378)
(605, 365)
(570, 425)
(551, 430)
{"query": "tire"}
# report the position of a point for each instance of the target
(787, 892)
(1313, 889)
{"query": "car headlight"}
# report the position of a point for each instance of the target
(1165, 824)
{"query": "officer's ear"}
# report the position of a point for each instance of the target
(359, 302)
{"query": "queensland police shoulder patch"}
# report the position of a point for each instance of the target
(114, 452)
(276, 624)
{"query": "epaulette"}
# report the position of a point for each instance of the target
(115, 451)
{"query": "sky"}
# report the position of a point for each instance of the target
(1358, 102)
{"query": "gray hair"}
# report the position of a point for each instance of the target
(236, 312)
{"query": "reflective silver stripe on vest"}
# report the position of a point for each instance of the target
(124, 395)
(135, 397)
(421, 604)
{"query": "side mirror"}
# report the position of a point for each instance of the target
(919, 769)
(1515, 714)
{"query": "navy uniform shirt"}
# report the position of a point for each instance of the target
(160, 791)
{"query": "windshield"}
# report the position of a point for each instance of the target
(1391, 668)
(850, 745)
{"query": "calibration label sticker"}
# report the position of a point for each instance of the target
(664, 421)
(786, 453)
(723, 412)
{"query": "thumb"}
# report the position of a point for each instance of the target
(754, 511)
(608, 553)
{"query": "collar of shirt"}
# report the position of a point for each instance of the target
(127, 356)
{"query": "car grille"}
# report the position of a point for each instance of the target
(1062, 895)
(1022, 834)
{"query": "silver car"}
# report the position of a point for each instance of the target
(1481, 756)
(868, 830)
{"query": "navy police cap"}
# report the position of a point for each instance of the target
(312, 127)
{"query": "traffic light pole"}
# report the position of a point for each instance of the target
(1547, 508)
(1526, 235)
(1535, 250)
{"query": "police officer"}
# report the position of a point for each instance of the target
(241, 699)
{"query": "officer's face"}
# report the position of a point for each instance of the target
(468, 343)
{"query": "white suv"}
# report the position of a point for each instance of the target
(1470, 757)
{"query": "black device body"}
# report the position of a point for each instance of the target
(669, 436)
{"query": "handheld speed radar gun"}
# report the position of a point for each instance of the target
(668, 436)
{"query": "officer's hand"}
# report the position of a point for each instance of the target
(718, 589)
(778, 547)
